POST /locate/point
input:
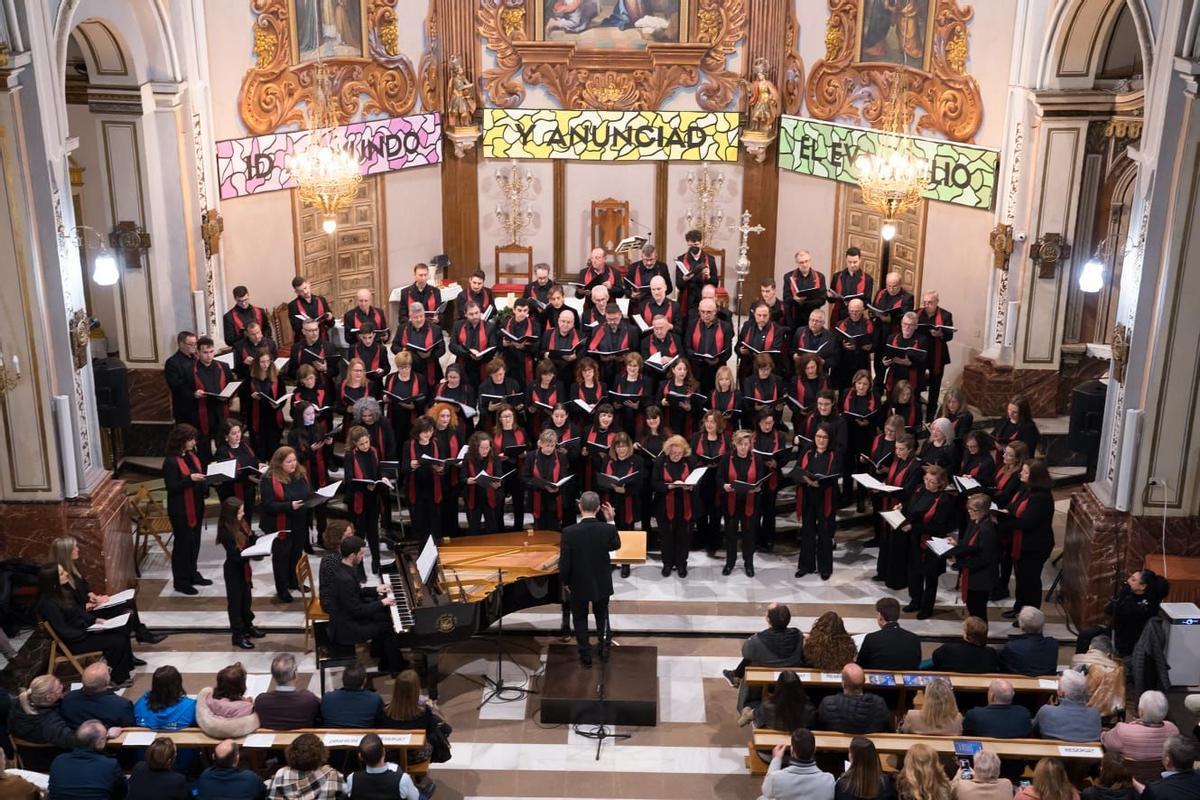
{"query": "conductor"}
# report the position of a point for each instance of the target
(587, 573)
(358, 615)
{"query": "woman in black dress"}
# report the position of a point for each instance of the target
(739, 503)
(939, 450)
(817, 473)
(234, 536)
(860, 411)
(64, 551)
(1017, 426)
(267, 396)
(362, 487)
(405, 395)
(630, 392)
(1008, 481)
(771, 443)
(235, 446)
(649, 447)
(1030, 518)
(57, 607)
(187, 486)
(450, 432)
(285, 489)
(425, 481)
(544, 394)
(928, 513)
(543, 469)
(679, 399)
(976, 553)
(482, 499)
(725, 399)
(511, 445)
(313, 443)
(679, 506)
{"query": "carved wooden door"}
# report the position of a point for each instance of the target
(859, 225)
(353, 257)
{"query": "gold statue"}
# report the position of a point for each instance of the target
(764, 100)
(460, 96)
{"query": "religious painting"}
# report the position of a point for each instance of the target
(895, 32)
(332, 28)
(612, 24)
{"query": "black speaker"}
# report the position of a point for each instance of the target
(112, 392)
(1087, 417)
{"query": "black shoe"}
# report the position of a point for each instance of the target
(147, 636)
(200, 580)
(878, 578)
(731, 678)
(826, 575)
(604, 653)
(666, 572)
(137, 662)
(872, 542)
(1011, 613)
(727, 569)
(243, 643)
(624, 570)
(998, 594)
(255, 633)
(285, 597)
(187, 590)
(911, 607)
(924, 614)
(585, 661)
(800, 573)
(682, 572)
(711, 552)
(749, 571)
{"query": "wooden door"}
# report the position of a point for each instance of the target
(858, 225)
(353, 257)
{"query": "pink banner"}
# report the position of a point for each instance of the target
(256, 164)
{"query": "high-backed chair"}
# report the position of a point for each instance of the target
(310, 598)
(60, 653)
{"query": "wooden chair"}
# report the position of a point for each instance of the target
(312, 604)
(281, 327)
(150, 522)
(41, 754)
(609, 224)
(60, 653)
(1144, 772)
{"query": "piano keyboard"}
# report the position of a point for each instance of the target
(402, 611)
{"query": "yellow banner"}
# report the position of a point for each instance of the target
(611, 135)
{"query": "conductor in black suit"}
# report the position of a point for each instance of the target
(360, 614)
(587, 573)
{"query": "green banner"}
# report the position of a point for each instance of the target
(962, 174)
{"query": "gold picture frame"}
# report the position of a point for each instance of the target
(299, 29)
(684, 7)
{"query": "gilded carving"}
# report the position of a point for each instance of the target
(635, 79)
(792, 84)
(843, 88)
(430, 88)
(275, 90)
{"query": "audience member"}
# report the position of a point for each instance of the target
(1029, 652)
(1072, 720)
(156, 778)
(970, 654)
(306, 776)
(223, 711)
(411, 710)
(353, 705)
(801, 779)
(923, 777)
(96, 700)
(378, 777)
(780, 645)
(1142, 739)
(1105, 672)
(286, 708)
(224, 781)
(999, 719)
(86, 773)
(14, 785)
(165, 707)
(852, 711)
(938, 714)
(1114, 782)
(985, 782)
(863, 779)
(788, 707)
(1050, 782)
(890, 647)
(829, 647)
(35, 718)
(1136, 603)
(1180, 781)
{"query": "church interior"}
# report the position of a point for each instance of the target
(1012, 185)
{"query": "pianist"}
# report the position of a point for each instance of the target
(360, 614)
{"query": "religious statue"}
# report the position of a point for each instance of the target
(764, 100)
(460, 97)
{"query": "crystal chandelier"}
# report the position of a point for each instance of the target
(326, 169)
(894, 177)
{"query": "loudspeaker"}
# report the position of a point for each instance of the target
(112, 392)
(1087, 417)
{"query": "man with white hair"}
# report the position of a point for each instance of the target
(423, 339)
(708, 344)
(804, 291)
(641, 273)
(890, 303)
(903, 356)
(999, 719)
(855, 337)
(363, 311)
(593, 309)
(938, 324)
(285, 707)
(985, 782)
(1072, 720)
(1142, 739)
(599, 272)
(1029, 652)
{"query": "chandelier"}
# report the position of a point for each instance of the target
(706, 216)
(326, 169)
(514, 214)
(894, 177)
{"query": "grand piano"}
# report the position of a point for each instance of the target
(478, 580)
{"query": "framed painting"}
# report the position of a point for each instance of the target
(895, 32)
(611, 24)
(332, 28)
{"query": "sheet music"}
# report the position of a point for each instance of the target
(895, 517)
(939, 545)
(427, 560)
(226, 468)
(116, 599)
(261, 547)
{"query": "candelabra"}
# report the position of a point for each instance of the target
(9, 378)
(514, 215)
(707, 216)
(743, 261)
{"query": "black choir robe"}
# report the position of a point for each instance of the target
(316, 307)
(849, 286)
(427, 346)
(430, 298)
(799, 297)
(467, 337)
(179, 371)
(353, 319)
(211, 411)
(237, 318)
(691, 273)
(939, 351)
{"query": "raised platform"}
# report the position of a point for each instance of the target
(571, 696)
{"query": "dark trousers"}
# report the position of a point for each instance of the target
(883, 532)
(896, 567)
(238, 597)
(579, 618)
(922, 588)
(977, 602)
(427, 519)
(766, 516)
(512, 488)
(482, 518)
(185, 552)
(1028, 569)
(676, 541)
(710, 518)
(934, 383)
(816, 541)
(285, 554)
(366, 525)
(748, 525)
(115, 645)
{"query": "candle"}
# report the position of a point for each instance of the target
(17, 366)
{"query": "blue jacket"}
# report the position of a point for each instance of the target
(110, 708)
(1070, 720)
(86, 775)
(998, 722)
(171, 718)
(227, 783)
(1030, 654)
(1183, 785)
(352, 708)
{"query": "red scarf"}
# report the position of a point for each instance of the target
(625, 501)
(718, 337)
(939, 345)
(929, 515)
(896, 475)
(969, 541)
(524, 355)
(360, 495)
(554, 476)
(239, 326)
(473, 470)
(190, 463)
(674, 496)
(202, 402)
(808, 461)
(412, 484)
(1018, 511)
(279, 495)
(747, 499)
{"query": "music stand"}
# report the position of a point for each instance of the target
(600, 731)
(496, 687)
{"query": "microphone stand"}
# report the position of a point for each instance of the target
(600, 732)
(496, 687)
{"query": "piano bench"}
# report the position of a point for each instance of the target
(328, 654)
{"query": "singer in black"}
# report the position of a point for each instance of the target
(587, 573)
(234, 536)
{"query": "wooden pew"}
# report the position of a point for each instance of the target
(895, 744)
(401, 741)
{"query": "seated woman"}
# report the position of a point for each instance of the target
(223, 711)
(863, 779)
(828, 647)
(1105, 672)
(64, 551)
(985, 782)
(787, 709)
(938, 715)
(165, 707)
(1114, 782)
(156, 778)
(923, 777)
(1050, 782)
(306, 774)
(56, 605)
(410, 710)
(1142, 739)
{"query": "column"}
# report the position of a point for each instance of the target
(460, 175)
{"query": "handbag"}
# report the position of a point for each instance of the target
(439, 740)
